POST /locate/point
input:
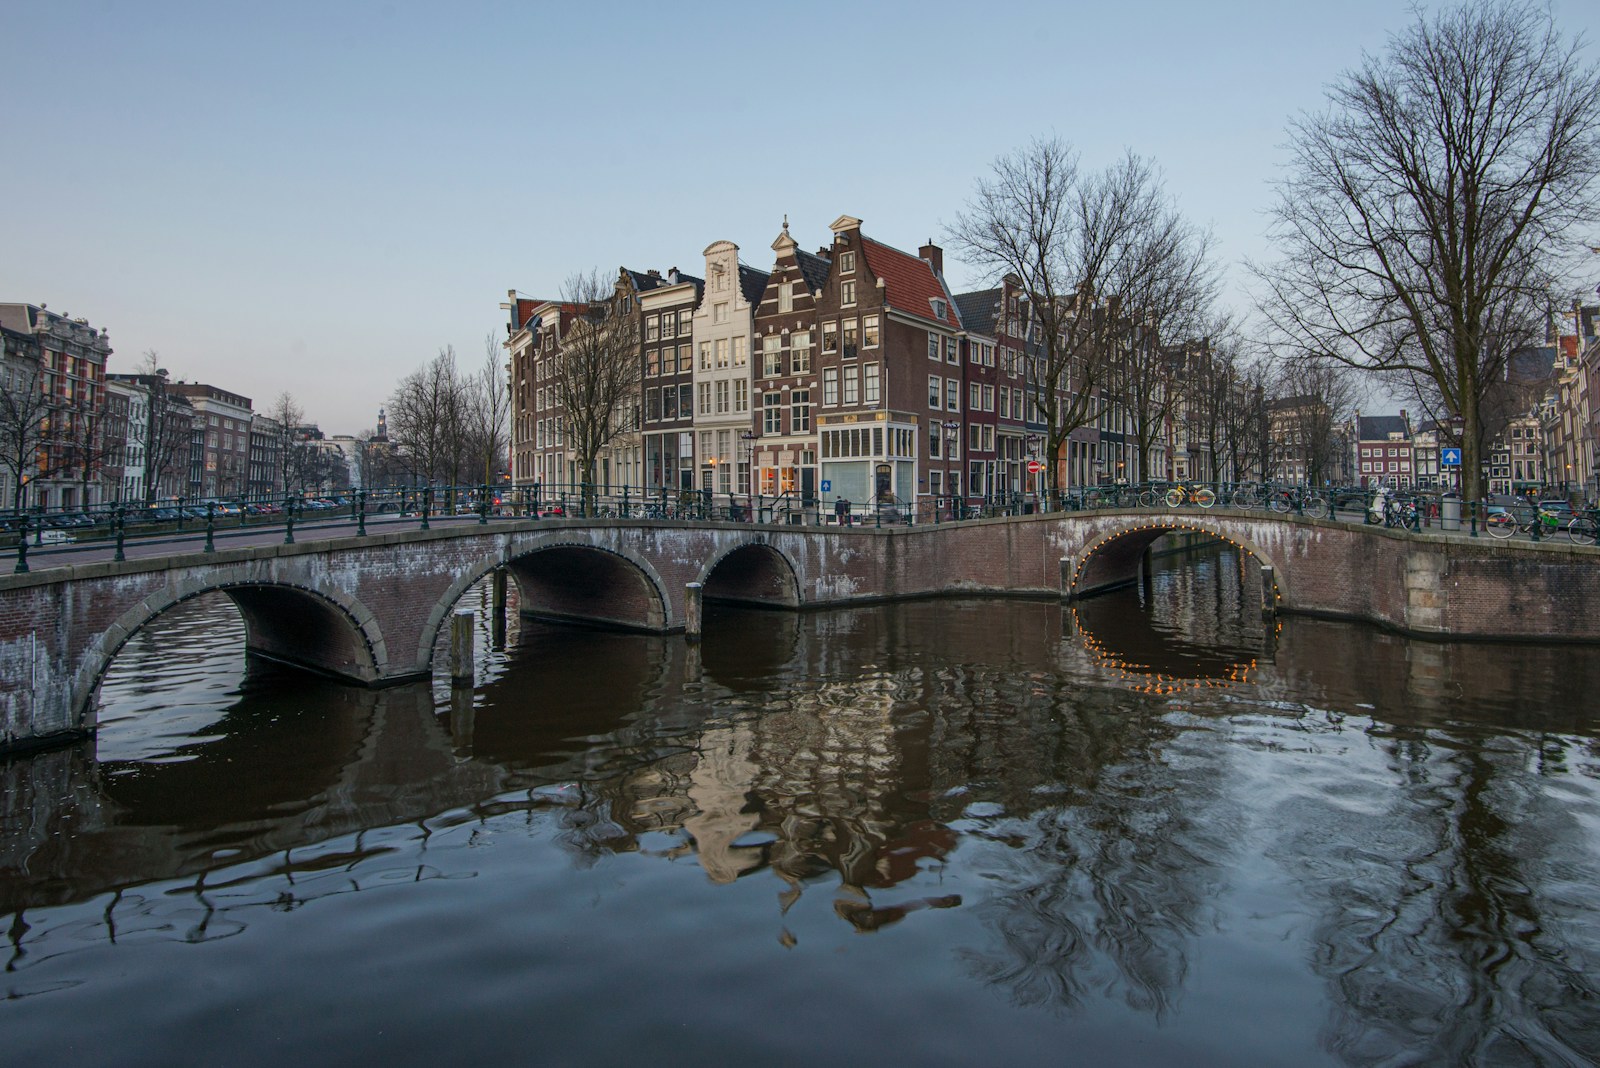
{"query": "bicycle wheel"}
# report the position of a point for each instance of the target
(1244, 500)
(1316, 508)
(1205, 498)
(1174, 498)
(1280, 504)
(1147, 499)
(1582, 531)
(1501, 525)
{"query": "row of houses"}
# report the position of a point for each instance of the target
(850, 372)
(75, 435)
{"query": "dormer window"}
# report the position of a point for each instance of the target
(938, 309)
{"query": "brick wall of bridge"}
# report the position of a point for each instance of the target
(370, 609)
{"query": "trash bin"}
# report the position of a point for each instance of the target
(1450, 512)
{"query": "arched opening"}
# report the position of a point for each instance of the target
(183, 699)
(1123, 558)
(753, 576)
(581, 584)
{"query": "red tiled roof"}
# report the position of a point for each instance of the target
(909, 282)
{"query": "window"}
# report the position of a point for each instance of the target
(850, 394)
(669, 403)
(652, 405)
(974, 437)
(935, 390)
(772, 414)
(850, 348)
(785, 297)
(686, 401)
(830, 337)
(722, 352)
(847, 262)
(668, 324)
(800, 411)
(869, 332)
(719, 312)
(685, 323)
(869, 383)
(936, 482)
(800, 351)
(1005, 402)
(684, 365)
(652, 328)
(950, 351)
(705, 355)
(722, 398)
(952, 395)
(938, 309)
(739, 356)
(988, 398)
(771, 358)
(935, 435)
(974, 397)
(933, 346)
(847, 293)
(830, 386)
(705, 396)
(741, 395)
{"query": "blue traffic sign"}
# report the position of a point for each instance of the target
(827, 485)
(1449, 457)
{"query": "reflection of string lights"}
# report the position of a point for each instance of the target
(1140, 679)
(1170, 528)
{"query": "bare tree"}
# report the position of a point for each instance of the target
(428, 419)
(596, 370)
(295, 457)
(1103, 257)
(25, 408)
(1312, 400)
(490, 406)
(1424, 213)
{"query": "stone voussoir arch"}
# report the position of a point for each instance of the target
(1221, 528)
(757, 541)
(97, 657)
(600, 540)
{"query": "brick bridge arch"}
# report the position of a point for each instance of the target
(320, 629)
(1113, 555)
(754, 574)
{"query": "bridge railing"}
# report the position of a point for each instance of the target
(53, 531)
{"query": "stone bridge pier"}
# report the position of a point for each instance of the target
(369, 610)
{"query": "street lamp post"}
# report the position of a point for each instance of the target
(748, 439)
(951, 431)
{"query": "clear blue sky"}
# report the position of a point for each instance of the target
(318, 196)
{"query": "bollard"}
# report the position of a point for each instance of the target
(461, 649)
(692, 597)
(361, 513)
(1067, 568)
(122, 532)
(497, 602)
(211, 527)
(427, 506)
(1269, 593)
(288, 525)
(483, 506)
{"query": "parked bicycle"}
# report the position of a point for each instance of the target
(1584, 528)
(1299, 499)
(1522, 519)
(1178, 496)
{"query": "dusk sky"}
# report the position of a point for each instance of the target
(318, 197)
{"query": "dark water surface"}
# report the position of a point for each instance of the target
(1141, 831)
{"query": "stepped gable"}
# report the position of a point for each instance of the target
(910, 284)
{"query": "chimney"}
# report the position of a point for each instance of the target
(933, 254)
(826, 252)
(653, 273)
(672, 275)
(1404, 421)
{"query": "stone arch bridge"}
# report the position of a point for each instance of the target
(369, 609)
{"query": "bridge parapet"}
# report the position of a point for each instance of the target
(369, 609)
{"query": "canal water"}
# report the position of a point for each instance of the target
(1146, 829)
